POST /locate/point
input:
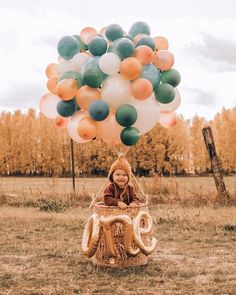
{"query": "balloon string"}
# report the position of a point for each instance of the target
(94, 199)
(146, 196)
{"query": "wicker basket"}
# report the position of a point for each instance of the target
(111, 248)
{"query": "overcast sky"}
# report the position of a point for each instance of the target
(201, 35)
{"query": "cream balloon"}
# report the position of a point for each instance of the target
(65, 66)
(79, 60)
(73, 125)
(48, 105)
(173, 105)
(109, 63)
(115, 91)
(109, 130)
(148, 113)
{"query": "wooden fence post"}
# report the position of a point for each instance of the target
(72, 163)
(215, 165)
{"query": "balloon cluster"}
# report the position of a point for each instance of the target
(112, 85)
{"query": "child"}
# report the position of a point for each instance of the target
(119, 192)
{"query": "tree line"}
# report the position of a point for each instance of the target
(31, 145)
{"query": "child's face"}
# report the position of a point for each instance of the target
(120, 177)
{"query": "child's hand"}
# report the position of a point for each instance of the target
(122, 205)
(133, 205)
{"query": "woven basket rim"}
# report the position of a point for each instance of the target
(102, 205)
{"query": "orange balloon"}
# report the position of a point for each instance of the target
(144, 54)
(87, 34)
(60, 122)
(138, 37)
(167, 119)
(141, 89)
(161, 43)
(103, 31)
(87, 128)
(163, 60)
(66, 89)
(51, 70)
(131, 68)
(86, 95)
(52, 84)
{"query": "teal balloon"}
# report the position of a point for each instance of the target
(148, 41)
(67, 47)
(66, 108)
(165, 93)
(124, 48)
(93, 77)
(128, 36)
(151, 73)
(114, 31)
(91, 63)
(112, 47)
(171, 76)
(139, 28)
(130, 136)
(82, 46)
(92, 66)
(126, 115)
(73, 75)
(99, 110)
(97, 46)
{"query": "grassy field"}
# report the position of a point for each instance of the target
(40, 252)
(92, 185)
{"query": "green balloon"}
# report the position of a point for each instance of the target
(171, 76)
(151, 73)
(73, 75)
(130, 136)
(97, 46)
(66, 108)
(93, 77)
(139, 28)
(114, 32)
(165, 93)
(112, 47)
(92, 64)
(82, 46)
(128, 36)
(124, 48)
(148, 41)
(126, 115)
(67, 47)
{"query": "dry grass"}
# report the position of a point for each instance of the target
(40, 254)
(56, 194)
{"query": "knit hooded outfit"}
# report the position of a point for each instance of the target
(113, 193)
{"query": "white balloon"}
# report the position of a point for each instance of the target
(109, 63)
(115, 91)
(73, 125)
(173, 105)
(65, 66)
(48, 105)
(148, 113)
(109, 130)
(79, 60)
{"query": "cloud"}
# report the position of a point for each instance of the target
(217, 53)
(25, 95)
(199, 97)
